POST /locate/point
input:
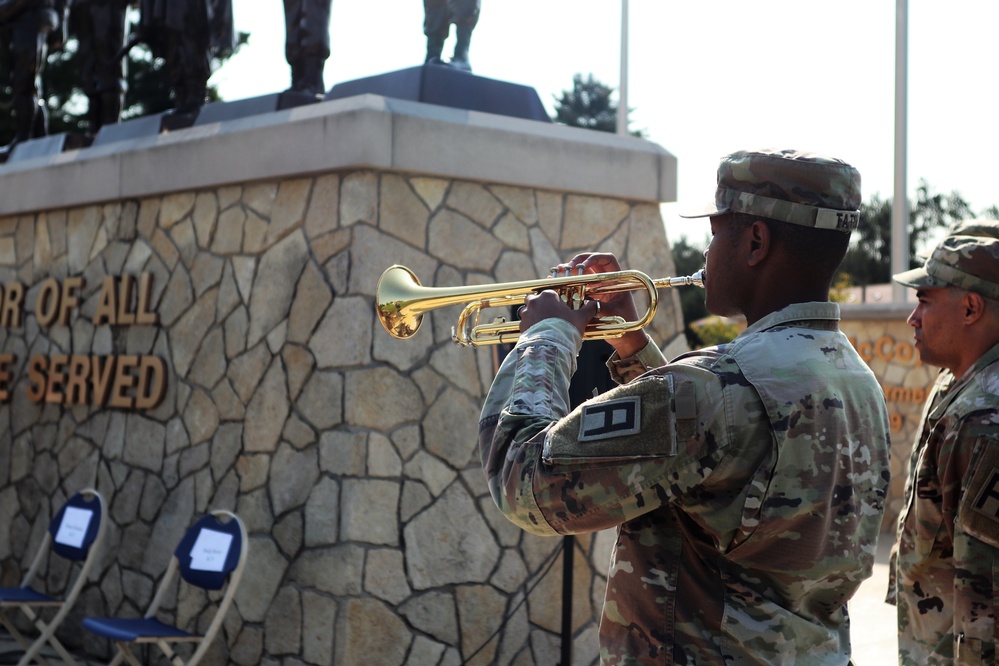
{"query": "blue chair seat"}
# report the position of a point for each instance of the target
(211, 555)
(133, 629)
(20, 595)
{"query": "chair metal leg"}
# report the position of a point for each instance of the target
(168, 652)
(124, 652)
(47, 635)
(119, 655)
(18, 636)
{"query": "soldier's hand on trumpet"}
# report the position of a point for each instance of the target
(619, 304)
(548, 304)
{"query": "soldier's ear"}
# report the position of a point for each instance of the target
(974, 307)
(759, 242)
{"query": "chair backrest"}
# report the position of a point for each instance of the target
(76, 532)
(77, 525)
(211, 550)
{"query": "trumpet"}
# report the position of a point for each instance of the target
(402, 301)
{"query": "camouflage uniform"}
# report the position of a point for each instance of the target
(747, 482)
(947, 549)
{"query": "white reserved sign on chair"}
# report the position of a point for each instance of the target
(210, 550)
(73, 527)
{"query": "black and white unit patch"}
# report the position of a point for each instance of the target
(978, 513)
(626, 423)
(615, 418)
(987, 501)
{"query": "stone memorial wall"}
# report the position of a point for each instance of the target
(188, 324)
(884, 340)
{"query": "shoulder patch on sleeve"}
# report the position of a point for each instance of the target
(979, 510)
(614, 418)
(635, 420)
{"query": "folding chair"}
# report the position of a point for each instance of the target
(75, 533)
(211, 552)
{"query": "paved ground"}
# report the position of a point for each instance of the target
(873, 628)
(873, 623)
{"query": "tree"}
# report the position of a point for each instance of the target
(868, 261)
(588, 105)
(147, 91)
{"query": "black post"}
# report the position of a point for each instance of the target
(568, 552)
(591, 378)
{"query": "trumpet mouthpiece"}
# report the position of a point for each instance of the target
(696, 279)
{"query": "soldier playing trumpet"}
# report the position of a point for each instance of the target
(746, 481)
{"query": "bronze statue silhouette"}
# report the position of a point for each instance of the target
(28, 29)
(186, 34)
(307, 43)
(99, 27)
(439, 16)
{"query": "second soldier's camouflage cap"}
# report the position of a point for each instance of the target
(802, 188)
(967, 262)
(989, 228)
(977, 227)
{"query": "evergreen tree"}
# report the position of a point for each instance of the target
(588, 105)
(147, 89)
(868, 261)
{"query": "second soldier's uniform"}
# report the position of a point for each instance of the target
(943, 574)
(747, 482)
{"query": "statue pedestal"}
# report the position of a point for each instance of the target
(446, 86)
(264, 237)
(217, 112)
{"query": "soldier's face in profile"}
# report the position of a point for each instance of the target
(936, 321)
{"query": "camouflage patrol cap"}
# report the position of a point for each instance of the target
(987, 228)
(968, 262)
(979, 227)
(792, 186)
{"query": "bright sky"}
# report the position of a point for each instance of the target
(708, 77)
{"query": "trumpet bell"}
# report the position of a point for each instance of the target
(395, 291)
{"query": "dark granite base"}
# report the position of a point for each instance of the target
(130, 129)
(221, 111)
(447, 86)
(429, 84)
(40, 147)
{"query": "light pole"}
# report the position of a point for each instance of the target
(622, 106)
(900, 202)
